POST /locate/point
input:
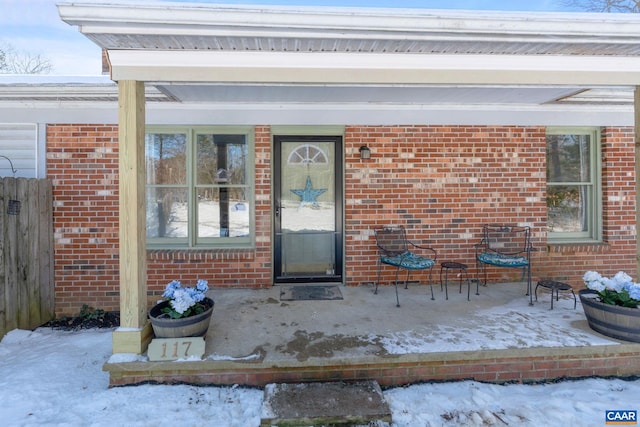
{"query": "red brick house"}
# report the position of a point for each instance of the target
(234, 152)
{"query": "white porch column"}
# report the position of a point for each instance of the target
(134, 333)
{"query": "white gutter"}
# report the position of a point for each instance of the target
(161, 18)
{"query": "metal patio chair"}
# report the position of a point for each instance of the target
(396, 250)
(506, 246)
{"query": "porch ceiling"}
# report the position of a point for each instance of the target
(405, 94)
(60, 89)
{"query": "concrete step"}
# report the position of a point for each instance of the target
(324, 404)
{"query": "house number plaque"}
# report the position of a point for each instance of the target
(164, 349)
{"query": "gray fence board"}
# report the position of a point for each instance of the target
(26, 252)
(46, 249)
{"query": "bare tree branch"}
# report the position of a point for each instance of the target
(13, 61)
(619, 6)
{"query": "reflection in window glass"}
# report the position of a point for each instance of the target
(167, 212)
(222, 159)
(568, 158)
(567, 208)
(571, 182)
(223, 213)
(166, 156)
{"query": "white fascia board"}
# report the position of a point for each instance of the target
(371, 68)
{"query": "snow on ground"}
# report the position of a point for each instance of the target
(55, 378)
(509, 325)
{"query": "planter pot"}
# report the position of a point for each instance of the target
(622, 323)
(192, 326)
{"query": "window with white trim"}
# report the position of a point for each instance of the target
(199, 190)
(573, 184)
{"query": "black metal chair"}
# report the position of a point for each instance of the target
(396, 250)
(505, 246)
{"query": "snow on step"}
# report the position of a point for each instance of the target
(330, 403)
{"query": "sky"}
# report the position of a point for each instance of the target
(34, 26)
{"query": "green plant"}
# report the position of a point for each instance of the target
(89, 313)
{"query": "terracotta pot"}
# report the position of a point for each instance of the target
(622, 323)
(192, 326)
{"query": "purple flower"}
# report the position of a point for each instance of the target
(634, 290)
(171, 288)
(184, 301)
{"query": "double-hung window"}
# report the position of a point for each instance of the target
(199, 190)
(573, 184)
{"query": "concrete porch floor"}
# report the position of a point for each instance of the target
(255, 339)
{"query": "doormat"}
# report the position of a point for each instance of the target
(310, 293)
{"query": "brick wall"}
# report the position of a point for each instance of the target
(82, 162)
(441, 182)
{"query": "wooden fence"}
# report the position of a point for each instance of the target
(26, 253)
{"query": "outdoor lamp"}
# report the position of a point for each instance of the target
(365, 152)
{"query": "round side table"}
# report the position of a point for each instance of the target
(555, 287)
(464, 276)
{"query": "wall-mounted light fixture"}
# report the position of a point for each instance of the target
(365, 152)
